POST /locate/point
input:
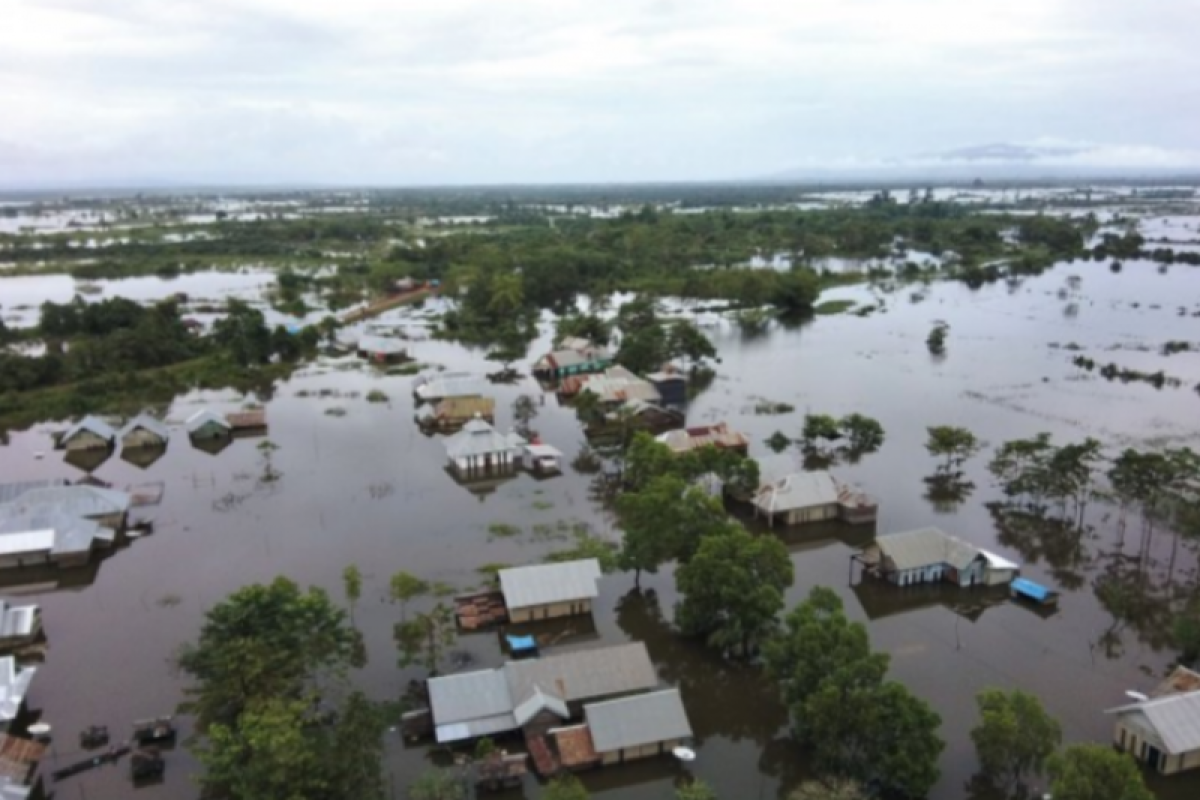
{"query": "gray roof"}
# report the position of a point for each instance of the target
(1175, 718)
(388, 345)
(11, 491)
(468, 696)
(925, 547)
(585, 674)
(17, 621)
(148, 423)
(798, 490)
(205, 417)
(537, 702)
(478, 438)
(450, 385)
(14, 684)
(34, 530)
(92, 424)
(617, 384)
(80, 501)
(638, 720)
(549, 583)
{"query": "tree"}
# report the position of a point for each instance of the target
(830, 788)
(733, 589)
(863, 434)
(243, 334)
(819, 429)
(796, 291)
(437, 784)
(1014, 736)
(404, 587)
(584, 326)
(695, 789)
(425, 638)
(955, 445)
(565, 787)
(936, 341)
(685, 340)
(1095, 772)
(524, 410)
(352, 581)
(644, 349)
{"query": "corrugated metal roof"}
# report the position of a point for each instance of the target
(617, 384)
(996, 561)
(12, 544)
(11, 491)
(719, 435)
(28, 532)
(543, 451)
(1175, 718)
(148, 423)
(469, 696)
(92, 424)
(17, 620)
(478, 438)
(585, 674)
(205, 417)
(798, 490)
(387, 345)
(80, 501)
(475, 728)
(638, 720)
(549, 583)
(537, 702)
(456, 386)
(925, 547)
(14, 684)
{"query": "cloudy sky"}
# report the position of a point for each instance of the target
(465, 91)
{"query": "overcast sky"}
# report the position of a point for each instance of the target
(432, 91)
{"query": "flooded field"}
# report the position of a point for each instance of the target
(366, 487)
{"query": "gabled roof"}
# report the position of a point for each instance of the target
(638, 720)
(48, 530)
(549, 583)
(1175, 718)
(450, 385)
(797, 490)
(146, 423)
(77, 500)
(92, 425)
(537, 702)
(387, 345)
(585, 674)
(925, 547)
(468, 696)
(205, 417)
(616, 384)
(17, 621)
(719, 435)
(11, 491)
(478, 438)
(14, 684)
(996, 561)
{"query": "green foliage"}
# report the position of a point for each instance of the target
(587, 545)
(830, 307)
(857, 725)
(403, 587)
(377, 396)
(565, 787)
(1014, 736)
(936, 340)
(256, 668)
(956, 445)
(685, 340)
(243, 334)
(1035, 470)
(830, 788)
(858, 434)
(437, 784)
(1095, 772)
(733, 589)
(584, 326)
(863, 434)
(695, 789)
(484, 748)
(424, 639)
(778, 442)
(819, 429)
(352, 581)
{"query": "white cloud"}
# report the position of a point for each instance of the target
(471, 90)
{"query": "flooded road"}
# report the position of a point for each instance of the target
(368, 488)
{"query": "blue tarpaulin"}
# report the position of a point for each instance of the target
(1033, 591)
(517, 643)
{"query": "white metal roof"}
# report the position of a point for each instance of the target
(543, 451)
(14, 684)
(205, 417)
(148, 423)
(479, 438)
(468, 696)
(450, 385)
(541, 584)
(80, 501)
(92, 424)
(996, 561)
(11, 491)
(926, 546)
(1175, 718)
(638, 720)
(537, 702)
(17, 620)
(388, 345)
(585, 674)
(12, 544)
(798, 490)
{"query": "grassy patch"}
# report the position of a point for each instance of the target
(834, 307)
(376, 396)
(502, 530)
(542, 505)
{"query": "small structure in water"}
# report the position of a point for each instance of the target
(479, 447)
(144, 431)
(158, 730)
(545, 591)
(90, 433)
(1025, 589)
(1163, 731)
(672, 386)
(440, 386)
(574, 356)
(205, 424)
(803, 497)
(541, 459)
(381, 349)
(146, 764)
(14, 685)
(19, 762)
(638, 727)
(501, 770)
(249, 422)
(93, 736)
(20, 626)
(929, 555)
(720, 435)
(454, 412)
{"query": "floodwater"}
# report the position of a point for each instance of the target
(368, 488)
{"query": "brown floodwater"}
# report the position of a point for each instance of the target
(368, 488)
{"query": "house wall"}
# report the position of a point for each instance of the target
(998, 577)
(210, 430)
(501, 460)
(142, 438)
(858, 514)
(86, 440)
(114, 521)
(25, 559)
(551, 610)
(636, 753)
(1142, 744)
(811, 514)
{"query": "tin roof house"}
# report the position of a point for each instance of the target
(59, 525)
(802, 497)
(637, 727)
(545, 591)
(574, 356)
(720, 435)
(929, 555)
(440, 386)
(205, 424)
(19, 625)
(1162, 732)
(90, 433)
(479, 447)
(144, 431)
(14, 685)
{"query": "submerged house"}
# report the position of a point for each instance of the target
(106, 507)
(381, 349)
(802, 497)
(454, 412)
(929, 555)
(637, 727)
(205, 424)
(721, 436)
(535, 692)
(14, 685)
(19, 762)
(439, 386)
(480, 447)
(60, 525)
(541, 459)
(19, 625)
(574, 356)
(1163, 732)
(545, 591)
(90, 433)
(144, 431)
(613, 387)
(672, 386)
